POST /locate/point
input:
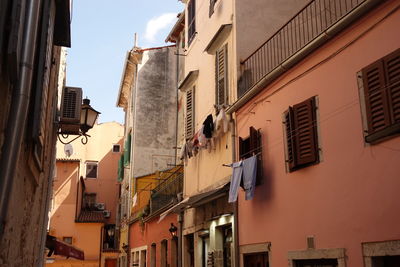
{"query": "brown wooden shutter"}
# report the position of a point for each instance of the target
(376, 103)
(291, 149)
(212, 5)
(305, 135)
(189, 113)
(221, 76)
(191, 20)
(392, 71)
(241, 147)
(254, 141)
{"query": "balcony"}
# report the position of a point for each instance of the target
(166, 192)
(307, 25)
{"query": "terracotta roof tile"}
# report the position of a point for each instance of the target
(90, 216)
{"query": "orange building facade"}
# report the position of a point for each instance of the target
(327, 140)
(85, 195)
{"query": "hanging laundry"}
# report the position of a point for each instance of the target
(208, 125)
(202, 138)
(235, 181)
(249, 176)
(221, 123)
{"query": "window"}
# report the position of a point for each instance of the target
(316, 263)
(221, 76)
(91, 169)
(255, 255)
(381, 254)
(212, 5)
(89, 201)
(138, 257)
(256, 259)
(164, 253)
(67, 239)
(153, 255)
(116, 148)
(252, 146)
(190, 113)
(331, 257)
(191, 21)
(205, 240)
(189, 250)
(301, 135)
(381, 90)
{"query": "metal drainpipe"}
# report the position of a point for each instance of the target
(18, 114)
(236, 205)
(180, 227)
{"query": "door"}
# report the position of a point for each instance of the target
(256, 260)
(110, 263)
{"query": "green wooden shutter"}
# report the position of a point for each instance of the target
(127, 150)
(121, 168)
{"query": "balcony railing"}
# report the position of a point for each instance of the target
(303, 28)
(167, 191)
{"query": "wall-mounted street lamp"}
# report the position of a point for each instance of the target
(173, 229)
(76, 117)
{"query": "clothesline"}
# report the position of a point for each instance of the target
(230, 165)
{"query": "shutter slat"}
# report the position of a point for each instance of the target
(305, 135)
(221, 76)
(189, 113)
(392, 70)
(377, 109)
(289, 127)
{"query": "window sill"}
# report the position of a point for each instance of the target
(384, 134)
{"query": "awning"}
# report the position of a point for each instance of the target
(63, 249)
(219, 37)
(198, 199)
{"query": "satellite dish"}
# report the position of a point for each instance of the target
(68, 150)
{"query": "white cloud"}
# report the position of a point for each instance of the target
(158, 23)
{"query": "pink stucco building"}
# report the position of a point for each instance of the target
(327, 110)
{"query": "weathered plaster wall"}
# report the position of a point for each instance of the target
(26, 221)
(154, 130)
(351, 196)
(206, 168)
(99, 148)
(258, 20)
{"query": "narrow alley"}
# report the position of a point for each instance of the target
(200, 133)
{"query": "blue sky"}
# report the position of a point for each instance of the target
(102, 32)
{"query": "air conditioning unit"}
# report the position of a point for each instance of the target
(71, 102)
(100, 206)
(106, 213)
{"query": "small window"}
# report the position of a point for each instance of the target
(116, 148)
(301, 135)
(221, 76)
(381, 90)
(67, 239)
(153, 257)
(191, 21)
(190, 113)
(91, 169)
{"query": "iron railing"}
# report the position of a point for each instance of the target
(166, 192)
(303, 28)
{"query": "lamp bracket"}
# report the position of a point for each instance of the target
(62, 136)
